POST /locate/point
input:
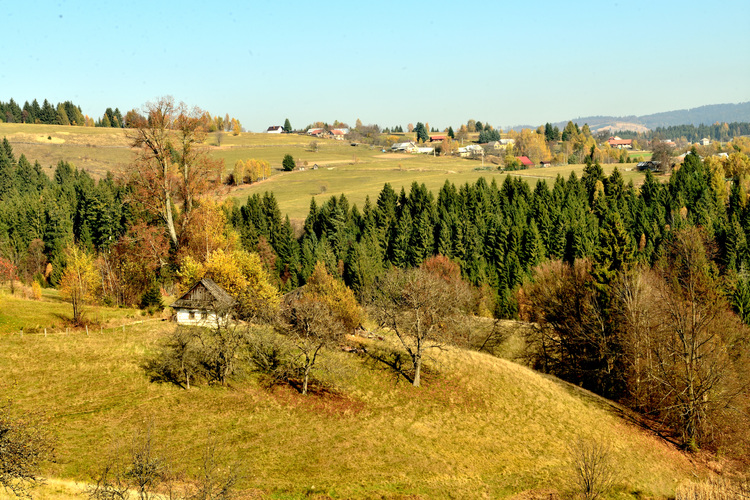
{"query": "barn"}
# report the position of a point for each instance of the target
(205, 304)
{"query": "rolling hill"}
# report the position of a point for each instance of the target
(480, 427)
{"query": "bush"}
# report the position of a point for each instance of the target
(24, 446)
(151, 298)
(36, 290)
(288, 163)
(593, 468)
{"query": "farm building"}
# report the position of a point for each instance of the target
(278, 129)
(654, 166)
(616, 142)
(204, 304)
(525, 161)
(407, 147)
(470, 151)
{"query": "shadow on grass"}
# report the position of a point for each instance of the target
(638, 419)
(398, 363)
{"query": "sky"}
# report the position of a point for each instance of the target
(387, 63)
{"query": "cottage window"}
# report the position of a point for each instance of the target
(191, 315)
(204, 314)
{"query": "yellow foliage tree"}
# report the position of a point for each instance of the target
(335, 295)
(238, 174)
(80, 281)
(243, 276)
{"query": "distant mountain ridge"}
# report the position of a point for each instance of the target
(706, 115)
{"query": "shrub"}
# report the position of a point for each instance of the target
(593, 468)
(36, 290)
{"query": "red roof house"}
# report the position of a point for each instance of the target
(525, 161)
(616, 142)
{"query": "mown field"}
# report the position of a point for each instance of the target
(357, 171)
(480, 427)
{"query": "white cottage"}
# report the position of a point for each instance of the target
(205, 304)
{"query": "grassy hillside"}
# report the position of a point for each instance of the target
(53, 314)
(358, 171)
(480, 427)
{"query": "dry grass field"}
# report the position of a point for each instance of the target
(480, 427)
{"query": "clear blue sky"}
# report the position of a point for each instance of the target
(387, 62)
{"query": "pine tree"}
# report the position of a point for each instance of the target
(7, 175)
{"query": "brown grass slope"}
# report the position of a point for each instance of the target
(480, 427)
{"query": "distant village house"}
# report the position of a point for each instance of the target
(616, 142)
(275, 130)
(525, 161)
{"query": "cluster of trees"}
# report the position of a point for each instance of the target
(368, 134)
(398, 129)
(111, 119)
(661, 339)
(136, 228)
(249, 171)
(65, 113)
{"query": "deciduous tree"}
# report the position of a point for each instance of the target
(423, 308)
(318, 315)
(80, 281)
(172, 167)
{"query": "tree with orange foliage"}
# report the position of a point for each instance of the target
(172, 166)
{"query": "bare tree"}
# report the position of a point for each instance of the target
(423, 309)
(694, 340)
(150, 477)
(662, 152)
(216, 480)
(311, 326)
(317, 316)
(594, 470)
(24, 446)
(221, 346)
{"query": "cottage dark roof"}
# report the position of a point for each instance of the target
(205, 295)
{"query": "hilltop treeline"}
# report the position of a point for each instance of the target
(64, 113)
(691, 133)
(40, 217)
(67, 113)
